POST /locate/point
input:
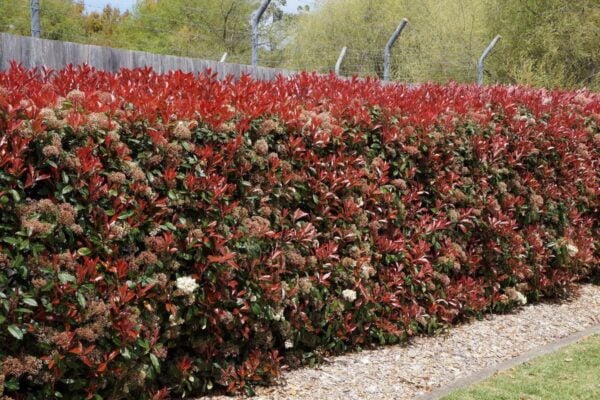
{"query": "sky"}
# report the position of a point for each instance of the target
(95, 5)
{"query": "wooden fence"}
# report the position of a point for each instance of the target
(32, 52)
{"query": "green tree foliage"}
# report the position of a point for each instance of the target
(442, 40)
(199, 28)
(14, 17)
(102, 27)
(60, 19)
(552, 43)
(318, 36)
(189, 28)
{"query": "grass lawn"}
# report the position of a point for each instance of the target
(571, 373)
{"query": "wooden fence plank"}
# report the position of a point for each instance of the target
(32, 52)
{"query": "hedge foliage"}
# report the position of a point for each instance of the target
(163, 235)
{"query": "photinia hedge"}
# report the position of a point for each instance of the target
(170, 235)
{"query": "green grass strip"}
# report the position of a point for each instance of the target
(572, 373)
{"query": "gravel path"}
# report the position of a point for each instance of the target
(405, 372)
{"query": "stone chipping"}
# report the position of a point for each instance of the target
(429, 362)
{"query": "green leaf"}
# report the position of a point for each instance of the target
(81, 300)
(10, 240)
(170, 226)
(84, 251)
(67, 189)
(125, 353)
(15, 331)
(155, 362)
(256, 309)
(11, 384)
(186, 145)
(15, 195)
(65, 277)
(144, 344)
(126, 215)
(30, 302)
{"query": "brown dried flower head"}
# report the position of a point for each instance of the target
(134, 171)
(117, 177)
(145, 258)
(51, 151)
(87, 334)
(73, 163)
(17, 367)
(261, 147)
(39, 283)
(66, 214)
(295, 259)
(76, 96)
(304, 285)
(181, 131)
(348, 262)
(399, 184)
(50, 119)
(37, 227)
(97, 121)
(256, 226)
(537, 200)
(269, 126)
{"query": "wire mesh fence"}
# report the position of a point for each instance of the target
(187, 38)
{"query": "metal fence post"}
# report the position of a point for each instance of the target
(223, 57)
(340, 60)
(486, 52)
(388, 49)
(255, 21)
(36, 29)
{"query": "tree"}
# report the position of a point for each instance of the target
(200, 28)
(60, 19)
(552, 43)
(14, 17)
(101, 27)
(442, 41)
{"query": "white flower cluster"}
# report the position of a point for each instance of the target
(349, 295)
(278, 316)
(367, 271)
(186, 284)
(175, 320)
(572, 250)
(514, 295)
(521, 297)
